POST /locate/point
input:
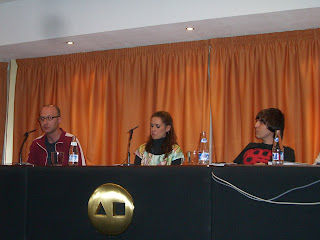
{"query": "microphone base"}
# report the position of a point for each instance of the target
(127, 165)
(23, 164)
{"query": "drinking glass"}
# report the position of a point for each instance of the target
(57, 158)
(192, 157)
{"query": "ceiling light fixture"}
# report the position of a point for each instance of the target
(70, 43)
(189, 28)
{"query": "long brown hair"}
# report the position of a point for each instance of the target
(170, 138)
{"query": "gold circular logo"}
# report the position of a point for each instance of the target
(110, 209)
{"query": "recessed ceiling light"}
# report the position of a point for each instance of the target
(70, 43)
(190, 28)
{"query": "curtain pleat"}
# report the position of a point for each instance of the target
(250, 73)
(3, 102)
(104, 94)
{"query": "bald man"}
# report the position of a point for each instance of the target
(55, 139)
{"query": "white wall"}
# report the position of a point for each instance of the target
(32, 20)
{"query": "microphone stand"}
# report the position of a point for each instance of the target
(20, 153)
(129, 143)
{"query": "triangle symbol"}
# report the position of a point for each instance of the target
(100, 210)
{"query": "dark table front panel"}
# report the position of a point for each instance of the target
(13, 202)
(234, 216)
(174, 202)
(170, 202)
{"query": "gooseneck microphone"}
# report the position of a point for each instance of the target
(24, 140)
(131, 130)
(30, 131)
(130, 137)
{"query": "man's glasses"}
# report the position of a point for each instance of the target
(49, 118)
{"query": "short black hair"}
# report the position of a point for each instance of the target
(273, 118)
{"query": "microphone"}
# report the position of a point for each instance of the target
(130, 137)
(24, 140)
(27, 133)
(32, 131)
(131, 130)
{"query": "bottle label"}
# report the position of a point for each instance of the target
(204, 140)
(276, 139)
(281, 156)
(204, 156)
(73, 158)
(275, 156)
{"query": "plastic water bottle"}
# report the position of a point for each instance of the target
(277, 149)
(203, 150)
(73, 153)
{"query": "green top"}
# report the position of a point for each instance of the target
(153, 159)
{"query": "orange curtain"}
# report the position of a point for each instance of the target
(3, 102)
(251, 73)
(104, 94)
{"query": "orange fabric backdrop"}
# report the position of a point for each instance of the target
(250, 73)
(104, 94)
(3, 102)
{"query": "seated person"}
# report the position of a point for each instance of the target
(161, 147)
(317, 161)
(267, 121)
(54, 139)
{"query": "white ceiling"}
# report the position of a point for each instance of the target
(88, 36)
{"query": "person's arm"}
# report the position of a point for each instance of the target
(178, 155)
(176, 162)
(139, 154)
(289, 155)
(137, 160)
(31, 156)
(239, 158)
(82, 160)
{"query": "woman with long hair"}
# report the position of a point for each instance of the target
(162, 147)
